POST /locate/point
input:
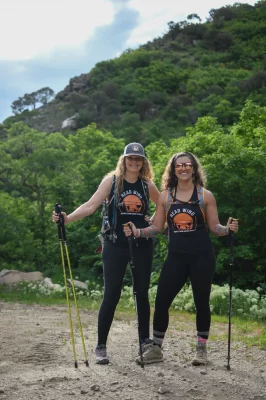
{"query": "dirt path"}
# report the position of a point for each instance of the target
(36, 362)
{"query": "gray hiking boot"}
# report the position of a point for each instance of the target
(101, 355)
(152, 353)
(145, 345)
(201, 355)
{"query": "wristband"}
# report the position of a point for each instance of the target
(138, 233)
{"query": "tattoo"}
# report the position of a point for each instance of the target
(149, 232)
(220, 230)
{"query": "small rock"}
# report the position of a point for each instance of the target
(95, 388)
(160, 374)
(162, 390)
(203, 372)
(83, 391)
(114, 383)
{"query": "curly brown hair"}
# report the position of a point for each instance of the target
(146, 173)
(169, 178)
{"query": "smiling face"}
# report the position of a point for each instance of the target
(183, 168)
(133, 163)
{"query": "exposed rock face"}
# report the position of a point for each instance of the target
(8, 277)
(77, 84)
(70, 123)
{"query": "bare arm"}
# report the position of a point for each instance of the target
(88, 208)
(213, 220)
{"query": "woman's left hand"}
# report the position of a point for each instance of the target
(232, 225)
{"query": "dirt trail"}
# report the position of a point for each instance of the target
(36, 362)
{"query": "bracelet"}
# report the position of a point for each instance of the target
(138, 233)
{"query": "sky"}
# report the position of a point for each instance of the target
(48, 42)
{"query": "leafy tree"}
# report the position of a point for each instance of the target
(18, 106)
(193, 16)
(44, 95)
(31, 99)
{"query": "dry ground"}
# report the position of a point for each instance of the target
(36, 362)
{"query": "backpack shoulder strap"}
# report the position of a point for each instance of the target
(201, 193)
(145, 188)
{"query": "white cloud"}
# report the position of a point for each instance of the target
(154, 15)
(30, 28)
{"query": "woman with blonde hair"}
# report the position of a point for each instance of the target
(190, 211)
(125, 193)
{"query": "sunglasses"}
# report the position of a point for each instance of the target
(186, 165)
(135, 158)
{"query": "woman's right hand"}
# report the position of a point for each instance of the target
(130, 228)
(55, 217)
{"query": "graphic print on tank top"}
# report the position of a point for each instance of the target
(182, 219)
(131, 203)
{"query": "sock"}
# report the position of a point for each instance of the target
(202, 341)
(158, 338)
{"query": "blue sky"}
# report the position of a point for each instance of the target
(45, 43)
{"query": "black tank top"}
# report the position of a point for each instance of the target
(187, 231)
(132, 205)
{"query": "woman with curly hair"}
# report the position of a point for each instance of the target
(190, 211)
(127, 191)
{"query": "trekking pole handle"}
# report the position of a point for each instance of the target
(61, 221)
(231, 241)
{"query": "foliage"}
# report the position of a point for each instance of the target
(39, 169)
(249, 304)
(41, 96)
(200, 87)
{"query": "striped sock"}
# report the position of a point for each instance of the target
(158, 338)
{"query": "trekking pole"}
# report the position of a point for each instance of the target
(132, 268)
(231, 263)
(62, 238)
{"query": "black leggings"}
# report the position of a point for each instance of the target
(115, 260)
(177, 268)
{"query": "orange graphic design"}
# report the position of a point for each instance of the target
(183, 222)
(132, 204)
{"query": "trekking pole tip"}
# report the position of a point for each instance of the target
(76, 364)
(86, 363)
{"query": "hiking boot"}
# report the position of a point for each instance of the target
(101, 355)
(145, 345)
(152, 354)
(201, 355)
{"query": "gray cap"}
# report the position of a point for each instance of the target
(134, 149)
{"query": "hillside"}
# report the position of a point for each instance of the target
(196, 69)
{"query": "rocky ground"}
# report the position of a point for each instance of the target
(36, 362)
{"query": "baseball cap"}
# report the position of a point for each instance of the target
(134, 149)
